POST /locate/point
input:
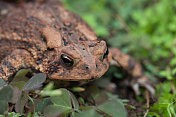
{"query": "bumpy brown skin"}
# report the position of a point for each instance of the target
(34, 34)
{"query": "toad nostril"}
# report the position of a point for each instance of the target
(96, 65)
(86, 67)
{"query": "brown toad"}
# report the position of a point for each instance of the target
(42, 35)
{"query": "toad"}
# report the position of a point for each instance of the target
(43, 36)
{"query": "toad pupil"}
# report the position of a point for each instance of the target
(67, 60)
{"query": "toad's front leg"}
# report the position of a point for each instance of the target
(119, 59)
(18, 59)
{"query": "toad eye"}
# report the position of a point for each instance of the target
(66, 60)
(106, 53)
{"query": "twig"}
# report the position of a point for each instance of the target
(148, 101)
(172, 88)
(33, 105)
(125, 25)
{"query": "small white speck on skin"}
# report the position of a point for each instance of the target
(4, 12)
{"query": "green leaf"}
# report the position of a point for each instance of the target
(55, 92)
(6, 93)
(78, 89)
(55, 110)
(49, 86)
(113, 107)
(21, 73)
(35, 82)
(21, 76)
(41, 105)
(153, 114)
(18, 84)
(63, 100)
(88, 113)
(20, 79)
(16, 95)
(19, 106)
(74, 101)
(50, 91)
(12, 114)
(3, 106)
(99, 97)
(63, 104)
(2, 82)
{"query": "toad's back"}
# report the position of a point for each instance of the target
(27, 25)
(43, 35)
